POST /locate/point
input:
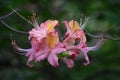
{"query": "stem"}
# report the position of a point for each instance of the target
(7, 15)
(13, 29)
(98, 37)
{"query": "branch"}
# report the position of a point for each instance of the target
(11, 28)
(93, 36)
(7, 15)
(98, 37)
(111, 38)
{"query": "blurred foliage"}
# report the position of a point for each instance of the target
(104, 16)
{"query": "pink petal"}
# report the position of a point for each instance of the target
(85, 50)
(53, 60)
(60, 45)
(69, 41)
(43, 26)
(30, 59)
(39, 34)
(86, 56)
(69, 62)
(50, 24)
(29, 52)
(58, 50)
(41, 56)
(67, 27)
(79, 35)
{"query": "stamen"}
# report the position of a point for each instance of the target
(18, 49)
(85, 23)
(80, 22)
(34, 21)
(87, 59)
(21, 16)
(98, 45)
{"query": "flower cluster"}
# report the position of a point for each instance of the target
(45, 43)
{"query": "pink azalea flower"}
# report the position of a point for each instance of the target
(75, 33)
(44, 44)
(40, 48)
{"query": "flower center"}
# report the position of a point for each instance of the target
(52, 39)
(73, 26)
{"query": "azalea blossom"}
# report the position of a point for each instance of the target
(45, 43)
(75, 33)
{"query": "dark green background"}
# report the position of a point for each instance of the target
(104, 16)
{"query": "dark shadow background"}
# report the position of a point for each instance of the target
(104, 16)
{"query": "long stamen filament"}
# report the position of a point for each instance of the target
(85, 23)
(21, 16)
